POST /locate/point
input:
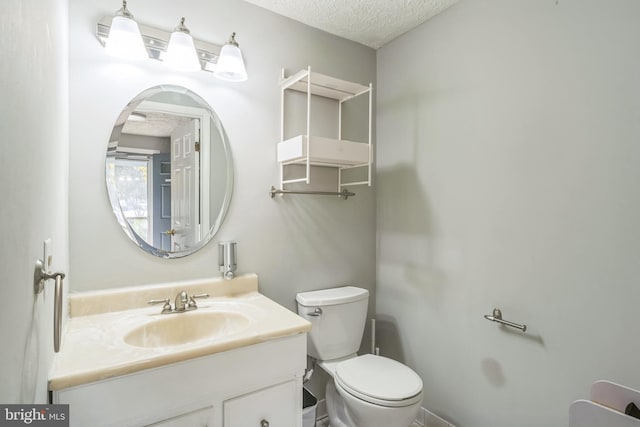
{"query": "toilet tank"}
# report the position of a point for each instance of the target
(337, 317)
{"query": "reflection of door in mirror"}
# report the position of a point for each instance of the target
(178, 180)
(183, 177)
(185, 185)
(161, 201)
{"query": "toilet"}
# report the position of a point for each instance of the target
(367, 390)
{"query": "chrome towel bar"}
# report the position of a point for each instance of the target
(497, 317)
(345, 194)
(39, 278)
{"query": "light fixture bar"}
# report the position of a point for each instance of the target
(156, 41)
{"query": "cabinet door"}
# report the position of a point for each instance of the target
(276, 406)
(200, 418)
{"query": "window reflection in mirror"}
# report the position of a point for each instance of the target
(133, 193)
(169, 171)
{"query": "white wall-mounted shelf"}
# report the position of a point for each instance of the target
(310, 150)
(323, 85)
(323, 152)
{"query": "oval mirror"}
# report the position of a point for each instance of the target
(169, 171)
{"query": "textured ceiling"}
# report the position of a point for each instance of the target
(154, 124)
(370, 22)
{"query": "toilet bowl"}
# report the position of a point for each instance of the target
(373, 391)
(367, 390)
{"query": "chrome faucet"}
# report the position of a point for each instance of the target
(182, 299)
(183, 302)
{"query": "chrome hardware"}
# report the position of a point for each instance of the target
(264, 423)
(497, 317)
(315, 313)
(166, 308)
(309, 372)
(57, 311)
(192, 302)
(184, 302)
(39, 278)
(345, 194)
(200, 296)
(182, 299)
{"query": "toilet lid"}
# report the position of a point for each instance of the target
(379, 380)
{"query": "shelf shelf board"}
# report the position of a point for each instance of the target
(323, 85)
(323, 152)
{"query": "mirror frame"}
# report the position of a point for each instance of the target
(112, 189)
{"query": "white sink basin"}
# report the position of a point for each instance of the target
(183, 328)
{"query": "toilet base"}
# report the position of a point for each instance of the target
(336, 409)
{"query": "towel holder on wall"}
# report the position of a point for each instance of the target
(497, 317)
(344, 194)
(39, 278)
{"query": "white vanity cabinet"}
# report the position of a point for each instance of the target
(258, 385)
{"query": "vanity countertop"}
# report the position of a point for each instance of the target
(93, 346)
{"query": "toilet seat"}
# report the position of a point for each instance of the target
(379, 380)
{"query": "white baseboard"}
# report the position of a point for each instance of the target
(427, 418)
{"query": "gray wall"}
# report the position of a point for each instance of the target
(33, 186)
(294, 243)
(507, 177)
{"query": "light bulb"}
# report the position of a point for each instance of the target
(181, 52)
(125, 40)
(230, 66)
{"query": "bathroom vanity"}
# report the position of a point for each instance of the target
(131, 367)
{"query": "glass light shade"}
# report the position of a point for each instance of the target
(230, 65)
(181, 53)
(124, 39)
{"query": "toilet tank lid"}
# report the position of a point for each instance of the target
(332, 296)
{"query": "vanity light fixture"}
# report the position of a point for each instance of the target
(124, 39)
(230, 65)
(181, 52)
(224, 61)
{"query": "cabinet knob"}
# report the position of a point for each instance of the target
(264, 423)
